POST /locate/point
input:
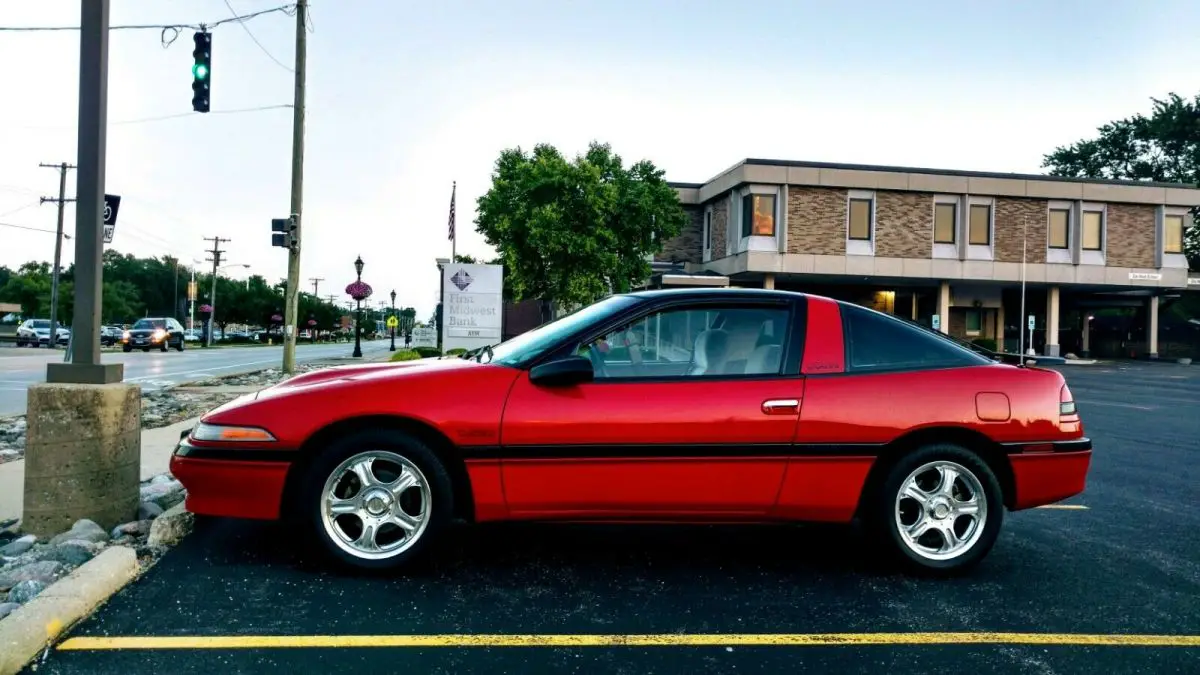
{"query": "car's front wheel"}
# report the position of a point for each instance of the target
(376, 500)
(940, 509)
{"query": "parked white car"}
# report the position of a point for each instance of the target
(36, 332)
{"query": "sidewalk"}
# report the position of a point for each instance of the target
(157, 446)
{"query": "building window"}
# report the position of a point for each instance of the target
(1060, 228)
(974, 322)
(945, 223)
(707, 230)
(758, 215)
(860, 219)
(1093, 230)
(980, 225)
(1173, 234)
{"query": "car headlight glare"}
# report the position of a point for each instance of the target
(125, 335)
(218, 432)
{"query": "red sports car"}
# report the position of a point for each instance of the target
(705, 405)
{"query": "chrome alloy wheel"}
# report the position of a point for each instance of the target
(375, 505)
(941, 510)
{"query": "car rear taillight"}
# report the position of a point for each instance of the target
(1066, 403)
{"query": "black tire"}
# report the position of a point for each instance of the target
(179, 347)
(126, 349)
(883, 509)
(439, 510)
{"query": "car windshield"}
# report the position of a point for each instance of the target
(535, 342)
(145, 324)
(41, 324)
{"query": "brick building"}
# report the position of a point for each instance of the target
(946, 247)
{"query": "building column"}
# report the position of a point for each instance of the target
(1152, 327)
(1000, 328)
(1087, 332)
(1052, 348)
(944, 306)
(914, 305)
(769, 281)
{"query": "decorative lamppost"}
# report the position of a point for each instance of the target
(393, 315)
(359, 291)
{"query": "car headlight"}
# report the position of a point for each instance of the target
(125, 335)
(159, 334)
(218, 432)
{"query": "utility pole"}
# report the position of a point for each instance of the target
(216, 261)
(291, 295)
(62, 201)
(315, 283)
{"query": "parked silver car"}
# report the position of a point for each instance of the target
(36, 332)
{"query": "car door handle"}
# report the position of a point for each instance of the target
(781, 406)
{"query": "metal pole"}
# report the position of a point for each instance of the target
(58, 238)
(291, 295)
(357, 328)
(1021, 332)
(85, 366)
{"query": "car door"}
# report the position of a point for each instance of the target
(691, 413)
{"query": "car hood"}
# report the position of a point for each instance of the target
(364, 373)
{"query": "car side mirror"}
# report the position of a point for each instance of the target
(563, 372)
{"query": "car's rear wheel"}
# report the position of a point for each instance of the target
(179, 347)
(377, 499)
(939, 510)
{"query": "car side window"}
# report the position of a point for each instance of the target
(701, 341)
(877, 342)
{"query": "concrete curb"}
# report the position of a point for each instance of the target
(38, 623)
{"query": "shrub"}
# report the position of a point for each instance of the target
(987, 343)
(457, 351)
(405, 355)
(427, 352)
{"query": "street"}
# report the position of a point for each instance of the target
(20, 368)
(1123, 558)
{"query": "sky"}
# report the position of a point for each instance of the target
(404, 98)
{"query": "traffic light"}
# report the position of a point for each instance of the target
(201, 71)
(283, 232)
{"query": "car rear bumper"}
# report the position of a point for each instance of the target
(1045, 473)
(233, 488)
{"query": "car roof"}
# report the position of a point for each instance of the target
(709, 292)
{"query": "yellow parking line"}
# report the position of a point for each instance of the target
(1065, 507)
(645, 640)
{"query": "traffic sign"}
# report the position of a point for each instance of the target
(1032, 322)
(392, 322)
(937, 322)
(111, 204)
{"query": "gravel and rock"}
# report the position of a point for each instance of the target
(28, 565)
(163, 407)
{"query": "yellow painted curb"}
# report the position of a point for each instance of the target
(638, 640)
(30, 629)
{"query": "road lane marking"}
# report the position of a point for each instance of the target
(1065, 507)
(643, 640)
(1118, 405)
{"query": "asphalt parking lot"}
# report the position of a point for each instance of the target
(1123, 560)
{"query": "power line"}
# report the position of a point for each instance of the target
(172, 28)
(242, 23)
(159, 118)
(21, 208)
(32, 229)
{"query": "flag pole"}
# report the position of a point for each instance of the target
(453, 235)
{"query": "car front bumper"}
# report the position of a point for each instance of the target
(219, 483)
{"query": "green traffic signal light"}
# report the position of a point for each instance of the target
(200, 71)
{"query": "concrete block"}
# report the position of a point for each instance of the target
(82, 457)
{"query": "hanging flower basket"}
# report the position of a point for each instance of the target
(276, 318)
(206, 309)
(359, 290)
(312, 322)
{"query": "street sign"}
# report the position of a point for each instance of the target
(111, 204)
(937, 322)
(1032, 322)
(392, 322)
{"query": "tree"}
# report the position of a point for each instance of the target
(1162, 147)
(575, 231)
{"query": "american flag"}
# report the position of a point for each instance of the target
(453, 191)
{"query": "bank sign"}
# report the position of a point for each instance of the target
(472, 305)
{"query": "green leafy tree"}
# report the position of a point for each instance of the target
(573, 231)
(30, 288)
(1163, 146)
